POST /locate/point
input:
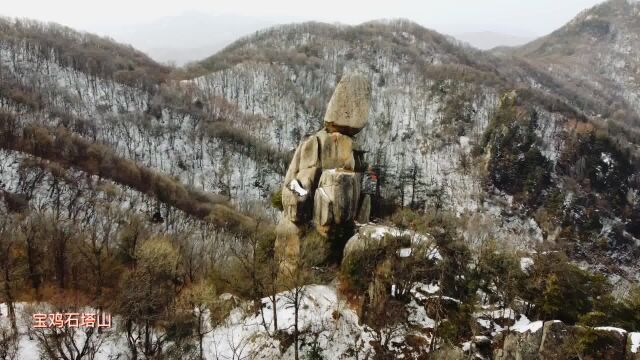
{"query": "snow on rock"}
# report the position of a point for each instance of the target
(423, 292)
(372, 235)
(420, 288)
(418, 316)
(611, 328)
(405, 252)
(523, 324)
(295, 186)
(484, 323)
(466, 346)
(635, 342)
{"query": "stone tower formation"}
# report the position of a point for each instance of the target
(322, 187)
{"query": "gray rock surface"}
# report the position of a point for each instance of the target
(520, 346)
(555, 335)
(557, 340)
(340, 191)
(364, 212)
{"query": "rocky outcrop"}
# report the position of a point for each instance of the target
(336, 199)
(336, 151)
(520, 345)
(324, 180)
(348, 108)
(558, 341)
(555, 340)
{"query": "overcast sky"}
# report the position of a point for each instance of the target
(516, 17)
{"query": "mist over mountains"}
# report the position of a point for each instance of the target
(486, 40)
(193, 36)
(190, 36)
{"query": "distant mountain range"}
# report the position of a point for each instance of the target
(190, 36)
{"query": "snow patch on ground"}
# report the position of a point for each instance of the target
(526, 263)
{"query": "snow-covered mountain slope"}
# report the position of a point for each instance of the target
(46, 90)
(432, 105)
(229, 130)
(597, 54)
(485, 145)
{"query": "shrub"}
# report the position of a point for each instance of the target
(276, 199)
(559, 290)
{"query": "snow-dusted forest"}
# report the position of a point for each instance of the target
(507, 208)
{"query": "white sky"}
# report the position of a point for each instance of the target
(517, 17)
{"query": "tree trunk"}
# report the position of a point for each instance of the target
(275, 314)
(295, 327)
(9, 298)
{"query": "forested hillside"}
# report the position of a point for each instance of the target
(448, 129)
(508, 197)
(596, 55)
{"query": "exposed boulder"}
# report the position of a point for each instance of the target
(362, 240)
(309, 153)
(371, 236)
(560, 341)
(521, 345)
(348, 108)
(300, 181)
(606, 343)
(336, 200)
(306, 156)
(481, 347)
(296, 206)
(336, 151)
(554, 338)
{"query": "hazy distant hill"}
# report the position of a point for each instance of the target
(486, 40)
(190, 36)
